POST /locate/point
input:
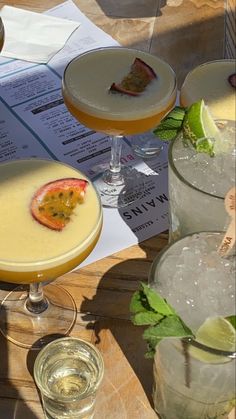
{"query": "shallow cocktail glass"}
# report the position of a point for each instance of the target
(33, 254)
(210, 81)
(192, 379)
(86, 90)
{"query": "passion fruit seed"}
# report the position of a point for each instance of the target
(53, 203)
(140, 75)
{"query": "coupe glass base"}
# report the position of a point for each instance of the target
(33, 331)
(146, 145)
(128, 188)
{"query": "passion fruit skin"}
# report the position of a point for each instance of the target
(140, 75)
(232, 80)
(53, 204)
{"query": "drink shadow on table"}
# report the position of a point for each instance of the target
(12, 404)
(114, 316)
(128, 9)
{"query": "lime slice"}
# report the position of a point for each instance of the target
(217, 333)
(199, 127)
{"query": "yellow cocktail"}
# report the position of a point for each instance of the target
(89, 97)
(210, 81)
(34, 252)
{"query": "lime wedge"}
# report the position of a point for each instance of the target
(217, 333)
(199, 127)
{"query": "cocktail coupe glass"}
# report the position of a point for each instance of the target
(33, 254)
(1, 34)
(195, 378)
(86, 90)
(211, 81)
(198, 182)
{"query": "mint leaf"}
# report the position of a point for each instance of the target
(139, 302)
(156, 302)
(171, 326)
(151, 347)
(143, 318)
(178, 113)
(232, 320)
(171, 125)
(165, 134)
(148, 308)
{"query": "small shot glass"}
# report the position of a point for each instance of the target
(68, 372)
(146, 145)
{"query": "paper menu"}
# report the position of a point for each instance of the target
(34, 122)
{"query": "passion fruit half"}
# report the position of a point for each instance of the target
(140, 75)
(53, 204)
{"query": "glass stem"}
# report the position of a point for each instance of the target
(36, 302)
(115, 164)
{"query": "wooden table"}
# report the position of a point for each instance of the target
(185, 33)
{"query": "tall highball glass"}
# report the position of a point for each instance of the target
(195, 378)
(199, 182)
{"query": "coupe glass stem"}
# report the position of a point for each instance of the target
(36, 302)
(115, 175)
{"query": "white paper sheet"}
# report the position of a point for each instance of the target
(34, 122)
(28, 34)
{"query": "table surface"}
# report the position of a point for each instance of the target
(185, 33)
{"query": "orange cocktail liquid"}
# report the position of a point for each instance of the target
(87, 95)
(29, 251)
(115, 127)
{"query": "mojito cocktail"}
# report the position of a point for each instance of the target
(199, 181)
(195, 379)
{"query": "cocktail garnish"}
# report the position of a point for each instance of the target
(218, 333)
(52, 205)
(232, 80)
(140, 75)
(171, 125)
(196, 124)
(150, 309)
(200, 128)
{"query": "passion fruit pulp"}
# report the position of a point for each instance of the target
(140, 75)
(53, 203)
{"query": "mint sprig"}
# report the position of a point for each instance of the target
(148, 308)
(171, 125)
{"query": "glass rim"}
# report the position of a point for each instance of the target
(189, 340)
(114, 47)
(230, 60)
(74, 252)
(180, 177)
(58, 342)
